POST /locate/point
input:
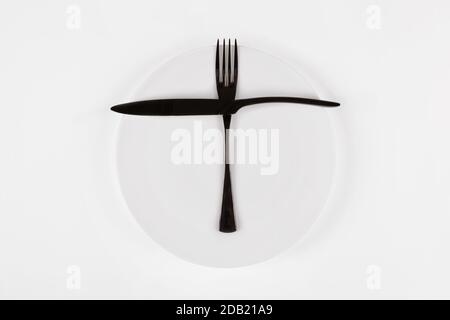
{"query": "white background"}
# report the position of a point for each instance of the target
(385, 231)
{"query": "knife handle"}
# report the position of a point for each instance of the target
(252, 101)
(227, 221)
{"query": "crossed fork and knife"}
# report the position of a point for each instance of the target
(226, 70)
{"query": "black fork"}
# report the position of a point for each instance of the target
(226, 81)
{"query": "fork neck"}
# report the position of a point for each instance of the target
(228, 107)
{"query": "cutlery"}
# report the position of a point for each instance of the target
(226, 82)
(226, 71)
(196, 107)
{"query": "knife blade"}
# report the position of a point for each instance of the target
(171, 107)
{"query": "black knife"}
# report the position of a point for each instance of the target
(192, 107)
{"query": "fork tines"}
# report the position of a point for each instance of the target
(226, 63)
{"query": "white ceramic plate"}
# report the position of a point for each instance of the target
(179, 205)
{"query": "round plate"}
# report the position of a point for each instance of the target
(178, 205)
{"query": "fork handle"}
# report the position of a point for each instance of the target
(227, 221)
